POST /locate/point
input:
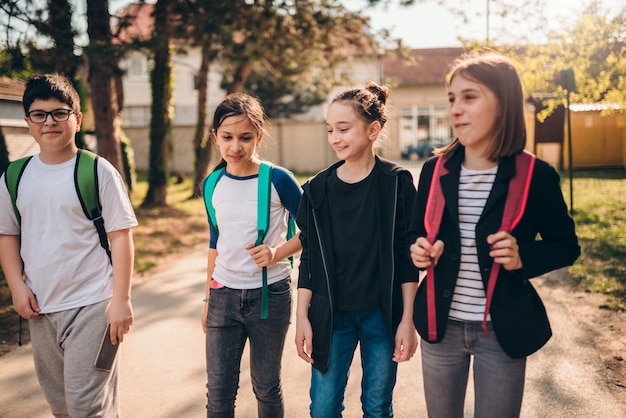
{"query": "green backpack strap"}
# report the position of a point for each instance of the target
(87, 189)
(263, 205)
(207, 192)
(263, 221)
(12, 178)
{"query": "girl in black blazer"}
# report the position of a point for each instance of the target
(487, 115)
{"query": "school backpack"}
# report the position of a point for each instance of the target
(85, 182)
(514, 207)
(263, 215)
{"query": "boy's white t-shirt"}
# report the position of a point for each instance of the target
(64, 263)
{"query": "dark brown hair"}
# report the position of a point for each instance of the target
(239, 104)
(50, 86)
(368, 102)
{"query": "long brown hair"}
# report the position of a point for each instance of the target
(498, 74)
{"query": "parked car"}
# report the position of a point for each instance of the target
(423, 150)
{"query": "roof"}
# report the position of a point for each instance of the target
(420, 66)
(594, 107)
(11, 89)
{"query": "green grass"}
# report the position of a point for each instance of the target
(600, 216)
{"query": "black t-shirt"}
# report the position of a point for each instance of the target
(353, 216)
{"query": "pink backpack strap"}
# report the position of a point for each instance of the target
(514, 207)
(432, 221)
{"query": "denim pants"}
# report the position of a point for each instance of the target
(498, 378)
(379, 370)
(234, 316)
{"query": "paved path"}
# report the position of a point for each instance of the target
(163, 364)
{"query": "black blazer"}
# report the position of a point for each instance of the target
(546, 238)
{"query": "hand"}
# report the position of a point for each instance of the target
(406, 341)
(120, 316)
(304, 338)
(504, 250)
(205, 312)
(423, 253)
(263, 255)
(25, 302)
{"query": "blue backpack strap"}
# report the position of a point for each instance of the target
(208, 187)
(263, 221)
(88, 190)
(12, 178)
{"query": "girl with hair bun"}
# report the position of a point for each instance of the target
(356, 281)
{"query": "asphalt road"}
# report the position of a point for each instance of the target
(163, 364)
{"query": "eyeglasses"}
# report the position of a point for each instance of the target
(58, 115)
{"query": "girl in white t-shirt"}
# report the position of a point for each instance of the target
(233, 312)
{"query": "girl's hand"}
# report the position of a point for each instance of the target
(406, 341)
(304, 339)
(204, 315)
(423, 253)
(504, 250)
(263, 255)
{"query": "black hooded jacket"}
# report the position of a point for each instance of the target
(396, 193)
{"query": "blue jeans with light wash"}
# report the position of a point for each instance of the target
(498, 378)
(234, 316)
(379, 370)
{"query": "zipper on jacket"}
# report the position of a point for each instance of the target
(319, 240)
(393, 257)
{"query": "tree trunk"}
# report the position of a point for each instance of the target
(241, 77)
(160, 124)
(102, 67)
(201, 141)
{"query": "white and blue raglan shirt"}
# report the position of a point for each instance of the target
(235, 202)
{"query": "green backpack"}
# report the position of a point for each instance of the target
(85, 181)
(263, 214)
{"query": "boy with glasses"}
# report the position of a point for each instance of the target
(60, 277)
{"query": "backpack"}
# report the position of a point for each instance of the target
(85, 182)
(514, 207)
(263, 215)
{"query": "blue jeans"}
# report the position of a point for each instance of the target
(498, 379)
(234, 316)
(379, 370)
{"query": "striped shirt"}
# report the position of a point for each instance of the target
(468, 301)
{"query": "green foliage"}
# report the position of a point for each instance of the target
(593, 46)
(287, 53)
(14, 63)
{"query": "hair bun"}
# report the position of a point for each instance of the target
(381, 92)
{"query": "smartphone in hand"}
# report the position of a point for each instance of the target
(107, 351)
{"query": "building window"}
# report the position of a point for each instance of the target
(136, 116)
(137, 68)
(423, 128)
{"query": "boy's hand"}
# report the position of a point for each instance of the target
(25, 302)
(120, 316)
